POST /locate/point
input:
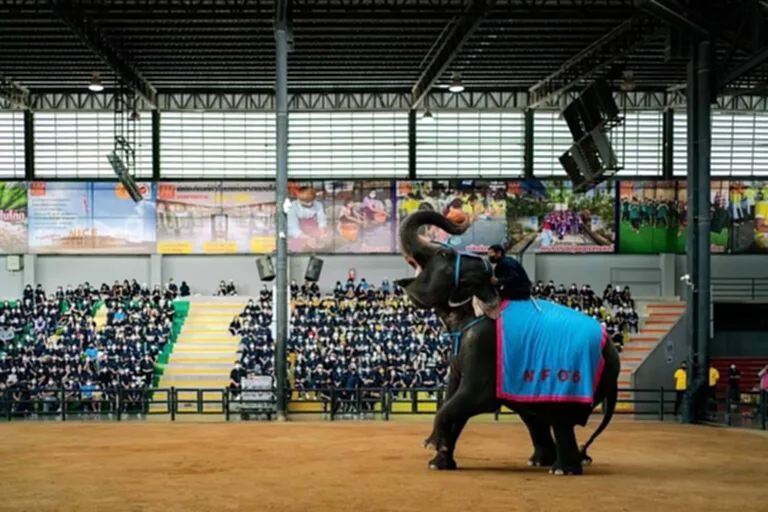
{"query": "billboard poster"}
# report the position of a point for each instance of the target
(13, 217)
(551, 217)
(310, 216)
(653, 218)
(483, 203)
(363, 216)
(90, 218)
(215, 217)
(748, 209)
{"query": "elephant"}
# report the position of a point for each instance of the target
(447, 280)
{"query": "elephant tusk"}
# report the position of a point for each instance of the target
(458, 304)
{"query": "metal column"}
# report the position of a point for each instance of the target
(281, 187)
(692, 175)
(703, 196)
(699, 94)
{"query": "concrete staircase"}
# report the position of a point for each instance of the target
(658, 317)
(205, 352)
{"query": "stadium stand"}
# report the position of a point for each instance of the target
(59, 346)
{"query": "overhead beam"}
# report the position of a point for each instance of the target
(596, 59)
(452, 42)
(12, 94)
(678, 16)
(743, 69)
(87, 31)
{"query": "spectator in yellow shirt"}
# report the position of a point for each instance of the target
(681, 384)
(714, 376)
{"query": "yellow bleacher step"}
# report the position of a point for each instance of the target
(220, 383)
(219, 372)
(192, 341)
(191, 347)
(213, 358)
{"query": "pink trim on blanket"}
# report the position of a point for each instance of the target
(527, 398)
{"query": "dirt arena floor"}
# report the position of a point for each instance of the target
(368, 466)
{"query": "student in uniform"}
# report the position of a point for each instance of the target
(681, 384)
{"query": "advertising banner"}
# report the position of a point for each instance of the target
(551, 217)
(481, 202)
(748, 212)
(363, 216)
(216, 217)
(90, 218)
(13, 217)
(653, 219)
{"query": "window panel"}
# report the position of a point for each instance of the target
(76, 144)
(739, 144)
(348, 144)
(638, 143)
(217, 144)
(11, 145)
(476, 144)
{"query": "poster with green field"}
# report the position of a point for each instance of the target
(652, 217)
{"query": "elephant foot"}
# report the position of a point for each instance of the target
(541, 460)
(443, 461)
(431, 442)
(559, 469)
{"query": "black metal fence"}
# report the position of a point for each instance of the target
(329, 403)
(739, 288)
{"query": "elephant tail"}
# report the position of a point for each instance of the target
(611, 399)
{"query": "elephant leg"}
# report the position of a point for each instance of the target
(444, 459)
(544, 449)
(454, 414)
(568, 455)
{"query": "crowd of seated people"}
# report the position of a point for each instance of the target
(615, 308)
(257, 348)
(363, 336)
(59, 352)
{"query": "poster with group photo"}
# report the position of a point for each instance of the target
(13, 217)
(482, 203)
(551, 217)
(362, 216)
(653, 217)
(216, 217)
(748, 211)
(90, 218)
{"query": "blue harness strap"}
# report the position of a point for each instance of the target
(458, 334)
(457, 268)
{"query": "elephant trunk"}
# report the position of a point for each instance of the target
(415, 248)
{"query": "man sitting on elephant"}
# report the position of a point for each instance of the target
(509, 277)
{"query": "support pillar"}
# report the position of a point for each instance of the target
(699, 94)
(281, 187)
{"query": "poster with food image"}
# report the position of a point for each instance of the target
(310, 216)
(13, 217)
(550, 217)
(216, 217)
(90, 218)
(481, 203)
(363, 216)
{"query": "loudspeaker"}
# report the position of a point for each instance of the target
(266, 268)
(314, 269)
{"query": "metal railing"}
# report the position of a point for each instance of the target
(740, 288)
(330, 403)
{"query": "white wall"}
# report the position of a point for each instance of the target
(11, 283)
(642, 273)
(647, 275)
(53, 271)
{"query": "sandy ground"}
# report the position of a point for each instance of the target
(368, 466)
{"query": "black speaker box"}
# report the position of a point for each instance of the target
(266, 268)
(314, 269)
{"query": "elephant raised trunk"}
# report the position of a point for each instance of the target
(415, 248)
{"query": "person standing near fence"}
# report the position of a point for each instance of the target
(681, 384)
(714, 376)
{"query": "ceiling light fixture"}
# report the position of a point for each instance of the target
(456, 85)
(427, 116)
(95, 85)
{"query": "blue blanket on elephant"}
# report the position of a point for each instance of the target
(547, 353)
